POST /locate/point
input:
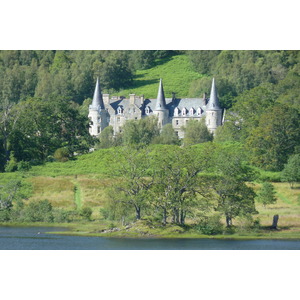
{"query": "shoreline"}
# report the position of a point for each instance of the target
(91, 231)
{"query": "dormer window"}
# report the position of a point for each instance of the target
(191, 112)
(184, 111)
(119, 110)
(199, 111)
(176, 111)
(147, 110)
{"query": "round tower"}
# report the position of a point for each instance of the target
(213, 117)
(97, 112)
(161, 110)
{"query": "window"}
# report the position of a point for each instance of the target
(118, 119)
(191, 111)
(176, 122)
(184, 111)
(176, 111)
(119, 110)
(147, 110)
(199, 111)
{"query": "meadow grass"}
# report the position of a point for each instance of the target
(59, 191)
(177, 75)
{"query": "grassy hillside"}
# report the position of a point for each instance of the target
(85, 182)
(177, 75)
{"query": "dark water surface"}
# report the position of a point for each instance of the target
(35, 238)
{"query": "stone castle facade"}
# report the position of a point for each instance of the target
(115, 111)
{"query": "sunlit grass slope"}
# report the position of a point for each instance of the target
(176, 73)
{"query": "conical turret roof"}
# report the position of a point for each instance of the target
(97, 99)
(213, 103)
(161, 101)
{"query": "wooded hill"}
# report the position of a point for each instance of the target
(49, 91)
(43, 124)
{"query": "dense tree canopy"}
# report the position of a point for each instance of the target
(251, 86)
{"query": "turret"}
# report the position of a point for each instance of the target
(213, 110)
(160, 109)
(97, 112)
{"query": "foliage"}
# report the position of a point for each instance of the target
(210, 225)
(275, 138)
(140, 132)
(196, 132)
(106, 137)
(38, 211)
(9, 193)
(266, 194)
(133, 168)
(11, 165)
(86, 213)
(291, 171)
(46, 126)
(234, 197)
(167, 136)
(61, 154)
(176, 181)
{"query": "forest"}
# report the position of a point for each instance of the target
(43, 120)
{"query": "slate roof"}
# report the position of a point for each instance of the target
(186, 103)
(213, 103)
(164, 103)
(161, 101)
(97, 99)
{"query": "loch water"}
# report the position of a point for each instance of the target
(39, 238)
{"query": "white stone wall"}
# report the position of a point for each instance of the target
(213, 120)
(94, 118)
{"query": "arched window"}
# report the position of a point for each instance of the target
(147, 110)
(184, 111)
(199, 111)
(192, 111)
(119, 110)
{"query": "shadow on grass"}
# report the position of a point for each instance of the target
(141, 83)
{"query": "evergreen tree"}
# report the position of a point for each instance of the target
(291, 171)
(266, 194)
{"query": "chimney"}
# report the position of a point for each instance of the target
(106, 99)
(131, 98)
(173, 96)
(204, 99)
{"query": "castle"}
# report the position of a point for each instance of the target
(115, 111)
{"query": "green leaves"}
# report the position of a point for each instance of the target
(266, 194)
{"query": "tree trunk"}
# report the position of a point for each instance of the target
(228, 221)
(164, 216)
(275, 222)
(175, 216)
(182, 217)
(138, 212)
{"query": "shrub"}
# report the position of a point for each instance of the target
(62, 154)
(11, 165)
(5, 215)
(23, 165)
(269, 176)
(210, 225)
(61, 215)
(86, 213)
(38, 211)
